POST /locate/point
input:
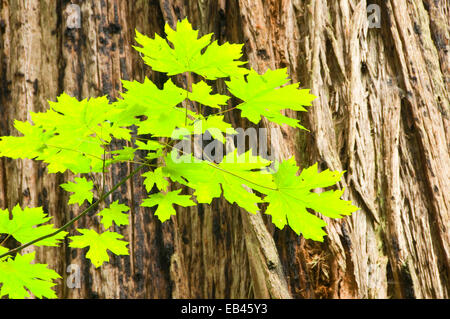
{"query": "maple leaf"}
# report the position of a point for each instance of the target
(288, 204)
(155, 177)
(261, 97)
(194, 173)
(153, 155)
(114, 214)
(69, 135)
(232, 177)
(30, 145)
(166, 124)
(149, 145)
(215, 125)
(155, 148)
(165, 203)
(26, 225)
(18, 276)
(99, 244)
(159, 106)
(82, 190)
(146, 98)
(201, 93)
(122, 155)
(108, 129)
(81, 128)
(217, 61)
(240, 172)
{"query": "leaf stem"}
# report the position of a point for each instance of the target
(4, 240)
(224, 111)
(188, 90)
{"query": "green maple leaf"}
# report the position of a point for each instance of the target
(232, 177)
(288, 204)
(70, 135)
(108, 129)
(146, 98)
(215, 125)
(149, 145)
(26, 225)
(115, 213)
(194, 173)
(89, 117)
(166, 124)
(82, 190)
(30, 145)
(81, 129)
(18, 276)
(240, 172)
(155, 149)
(159, 106)
(261, 97)
(201, 93)
(165, 203)
(99, 244)
(153, 155)
(217, 61)
(123, 155)
(155, 177)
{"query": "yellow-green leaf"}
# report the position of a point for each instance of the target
(26, 225)
(289, 202)
(114, 213)
(265, 95)
(99, 244)
(19, 276)
(81, 189)
(217, 61)
(165, 203)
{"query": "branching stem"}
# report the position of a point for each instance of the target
(72, 221)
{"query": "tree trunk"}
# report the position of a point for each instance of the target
(381, 115)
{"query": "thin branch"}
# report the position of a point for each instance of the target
(222, 112)
(4, 240)
(72, 221)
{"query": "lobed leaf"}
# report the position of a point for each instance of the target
(185, 55)
(232, 177)
(265, 95)
(19, 276)
(289, 202)
(99, 244)
(26, 226)
(81, 189)
(69, 136)
(201, 93)
(165, 203)
(114, 213)
(157, 178)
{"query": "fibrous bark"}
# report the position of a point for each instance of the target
(381, 115)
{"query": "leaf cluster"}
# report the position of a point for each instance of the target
(76, 136)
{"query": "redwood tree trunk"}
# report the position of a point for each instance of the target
(381, 115)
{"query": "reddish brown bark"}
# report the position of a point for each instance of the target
(381, 115)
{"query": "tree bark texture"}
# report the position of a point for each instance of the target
(381, 115)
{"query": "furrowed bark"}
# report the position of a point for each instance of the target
(381, 115)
